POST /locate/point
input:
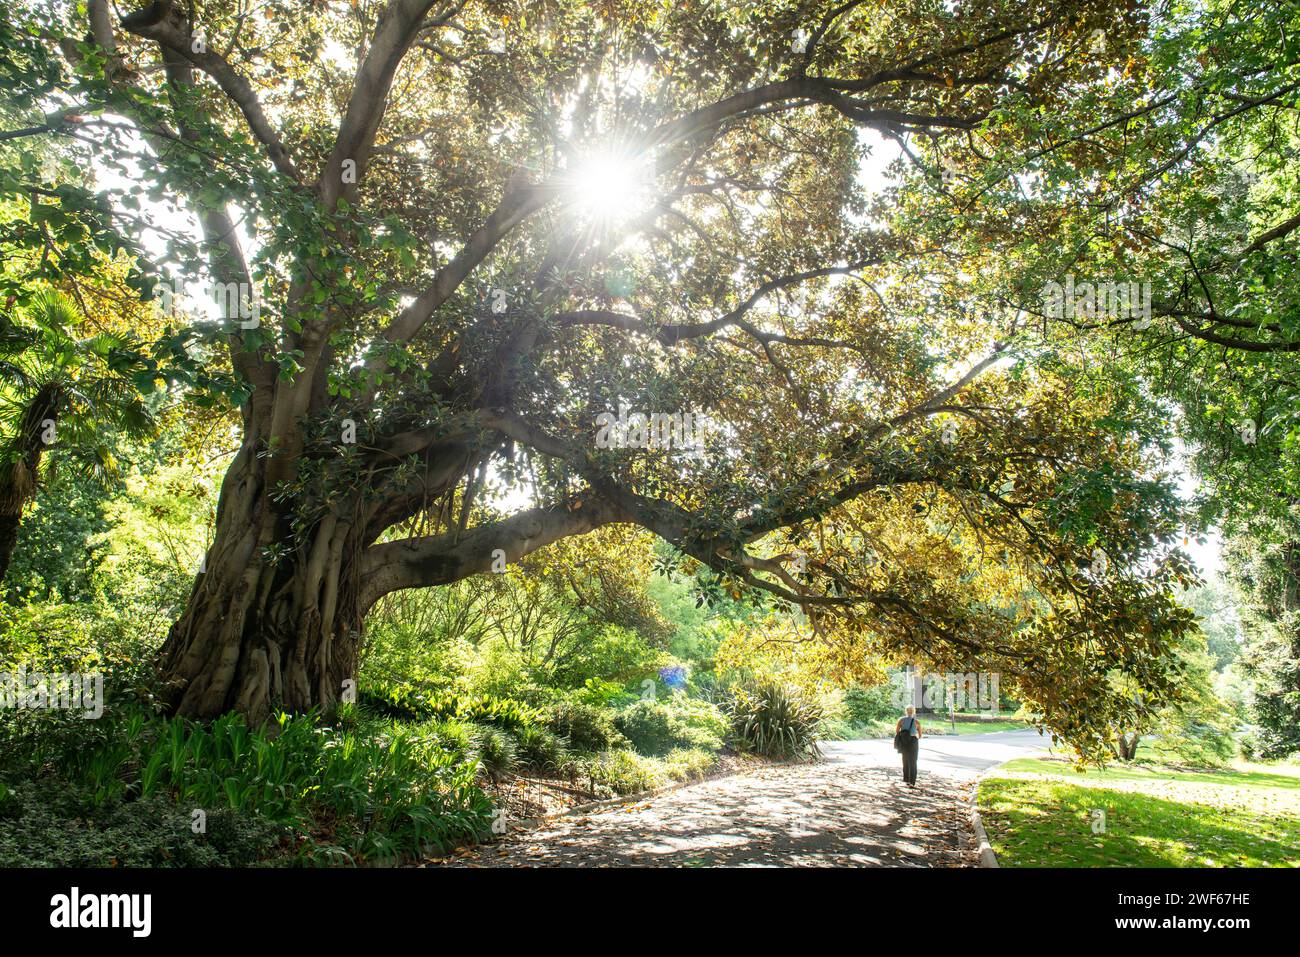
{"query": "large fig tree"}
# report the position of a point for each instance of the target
(463, 246)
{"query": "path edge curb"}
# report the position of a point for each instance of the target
(987, 857)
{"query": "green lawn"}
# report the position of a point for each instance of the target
(972, 727)
(1039, 812)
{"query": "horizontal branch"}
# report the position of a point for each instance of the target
(452, 556)
(672, 334)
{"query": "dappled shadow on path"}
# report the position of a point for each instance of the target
(833, 813)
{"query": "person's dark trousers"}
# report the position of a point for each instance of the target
(911, 747)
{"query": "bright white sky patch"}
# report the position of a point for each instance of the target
(609, 188)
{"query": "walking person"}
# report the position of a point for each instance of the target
(907, 738)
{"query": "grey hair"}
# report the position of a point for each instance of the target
(910, 711)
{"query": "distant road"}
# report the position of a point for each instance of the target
(958, 757)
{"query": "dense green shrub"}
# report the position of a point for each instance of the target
(498, 754)
(52, 826)
(650, 727)
(604, 694)
(454, 737)
(656, 727)
(406, 702)
(540, 749)
(378, 792)
(706, 720)
(776, 721)
(399, 702)
(1249, 746)
(83, 638)
(622, 772)
(865, 705)
(586, 727)
(688, 764)
(503, 712)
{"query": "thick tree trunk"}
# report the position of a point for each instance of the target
(18, 483)
(265, 627)
(271, 625)
(1127, 745)
(9, 522)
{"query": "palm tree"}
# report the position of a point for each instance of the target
(65, 394)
